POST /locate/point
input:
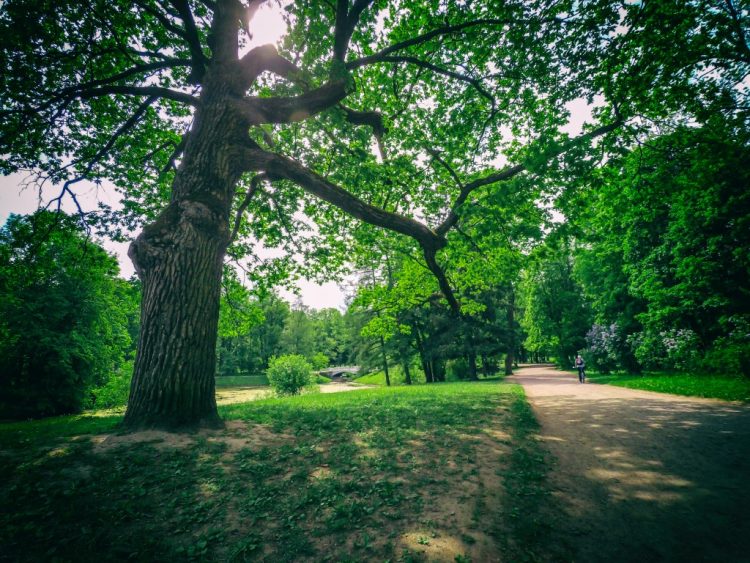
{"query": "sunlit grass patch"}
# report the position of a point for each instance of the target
(708, 386)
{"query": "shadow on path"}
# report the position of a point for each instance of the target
(645, 476)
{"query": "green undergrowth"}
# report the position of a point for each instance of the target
(241, 381)
(708, 386)
(357, 476)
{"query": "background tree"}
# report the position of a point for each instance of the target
(666, 257)
(64, 316)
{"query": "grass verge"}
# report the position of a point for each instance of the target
(449, 472)
(708, 386)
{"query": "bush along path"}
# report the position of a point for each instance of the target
(644, 476)
(440, 473)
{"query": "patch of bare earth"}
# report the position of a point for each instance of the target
(236, 435)
(456, 501)
(232, 395)
(644, 476)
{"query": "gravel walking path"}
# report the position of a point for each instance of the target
(644, 476)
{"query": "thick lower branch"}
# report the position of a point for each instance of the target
(278, 166)
(289, 110)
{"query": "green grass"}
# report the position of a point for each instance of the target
(708, 386)
(396, 374)
(241, 381)
(323, 477)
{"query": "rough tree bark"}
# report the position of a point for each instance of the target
(179, 259)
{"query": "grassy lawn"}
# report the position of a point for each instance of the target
(450, 472)
(709, 386)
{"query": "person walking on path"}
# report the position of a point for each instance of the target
(581, 367)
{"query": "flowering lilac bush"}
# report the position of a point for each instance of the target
(682, 348)
(674, 349)
(604, 343)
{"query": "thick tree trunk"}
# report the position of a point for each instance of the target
(179, 259)
(407, 373)
(173, 380)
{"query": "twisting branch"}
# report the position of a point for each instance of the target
(254, 185)
(511, 171)
(372, 119)
(278, 166)
(267, 58)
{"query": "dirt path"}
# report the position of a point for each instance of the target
(645, 476)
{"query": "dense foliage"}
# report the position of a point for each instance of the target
(65, 316)
(653, 268)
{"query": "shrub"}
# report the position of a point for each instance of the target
(288, 375)
(457, 369)
(115, 392)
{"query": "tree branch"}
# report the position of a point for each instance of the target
(475, 82)
(278, 166)
(511, 171)
(445, 286)
(267, 58)
(371, 119)
(193, 41)
(346, 22)
(156, 91)
(445, 30)
(254, 185)
(297, 108)
(138, 69)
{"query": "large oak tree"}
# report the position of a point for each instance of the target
(390, 112)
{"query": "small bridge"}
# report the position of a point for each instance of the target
(339, 372)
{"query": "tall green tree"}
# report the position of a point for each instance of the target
(667, 252)
(124, 90)
(64, 316)
(557, 315)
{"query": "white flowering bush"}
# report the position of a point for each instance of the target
(682, 347)
(604, 343)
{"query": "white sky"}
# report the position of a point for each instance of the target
(267, 27)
